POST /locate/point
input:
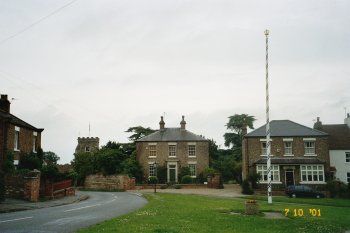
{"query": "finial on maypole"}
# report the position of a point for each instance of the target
(268, 141)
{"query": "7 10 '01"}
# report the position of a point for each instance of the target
(300, 212)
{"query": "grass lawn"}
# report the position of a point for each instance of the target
(193, 213)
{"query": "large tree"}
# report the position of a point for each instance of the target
(139, 132)
(236, 123)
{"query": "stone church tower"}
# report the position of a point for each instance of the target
(88, 144)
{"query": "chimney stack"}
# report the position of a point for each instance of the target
(161, 124)
(318, 124)
(183, 123)
(347, 120)
(5, 104)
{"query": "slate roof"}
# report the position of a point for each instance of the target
(339, 136)
(16, 121)
(291, 160)
(172, 135)
(285, 128)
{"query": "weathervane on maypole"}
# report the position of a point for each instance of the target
(268, 141)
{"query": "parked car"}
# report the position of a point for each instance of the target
(302, 191)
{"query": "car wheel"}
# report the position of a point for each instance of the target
(318, 196)
(294, 195)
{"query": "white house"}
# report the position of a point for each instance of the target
(339, 147)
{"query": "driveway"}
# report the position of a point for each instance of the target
(68, 218)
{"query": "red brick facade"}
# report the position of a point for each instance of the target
(9, 124)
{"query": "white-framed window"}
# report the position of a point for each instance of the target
(172, 150)
(152, 150)
(288, 148)
(17, 142)
(35, 141)
(193, 169)
(312, 173)
(263, 148)
(192, 150)
(348, 177)
(262, 170)
(309, 147)
(152, 169)
(347, 157)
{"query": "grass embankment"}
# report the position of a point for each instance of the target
(191, 213)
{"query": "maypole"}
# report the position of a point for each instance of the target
(268, 141)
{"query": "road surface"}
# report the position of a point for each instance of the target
(69, 218)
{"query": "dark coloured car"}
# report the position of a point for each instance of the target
(302, 191)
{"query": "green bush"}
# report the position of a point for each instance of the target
(152, 180)
(8, 166)
(2, 186)
(254, 178)
(184, 171)
(186, 179)
(49, 172)
(246, 188)
(338, 189)
(30, 161)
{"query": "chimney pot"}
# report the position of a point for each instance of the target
(183, 123)
(161, 123)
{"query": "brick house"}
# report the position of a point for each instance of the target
(16, 135)
(339, 147)
(299, 155)
(174, 148)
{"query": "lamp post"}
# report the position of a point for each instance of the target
(268, 142)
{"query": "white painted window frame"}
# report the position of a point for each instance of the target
(17, 139)
(304, 168)
(262, 169)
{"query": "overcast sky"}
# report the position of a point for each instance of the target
(125, 63)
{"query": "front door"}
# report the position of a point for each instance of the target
(289, 177)
(172, 172)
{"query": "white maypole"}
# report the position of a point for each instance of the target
(268, 141)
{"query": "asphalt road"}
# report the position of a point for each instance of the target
(69, 218)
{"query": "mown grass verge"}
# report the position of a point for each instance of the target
(192, 213)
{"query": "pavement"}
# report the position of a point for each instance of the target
(11, 205)
(229, 190)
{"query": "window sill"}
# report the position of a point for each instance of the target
(152, 157)
(288, 155)
(192, 156)
(17, 150)
(172, 157)
(310, 155)
(265, 155)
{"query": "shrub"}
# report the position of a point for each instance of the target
(2, 186)
(30, 161)
(177, 186)
(254, 178)
(184, 171)
(49, 172)
(246, 188)
(337, 189)
(152, 180)
(8, 166)
(186, 179)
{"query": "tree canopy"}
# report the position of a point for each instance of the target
(139, 132)
(236, 123)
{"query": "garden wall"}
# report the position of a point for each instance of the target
(111, 182)
(23, 187)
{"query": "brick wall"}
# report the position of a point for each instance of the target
(25, 138)
(23, 187)
(182, 158)
(251, 152)
(111, 182)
